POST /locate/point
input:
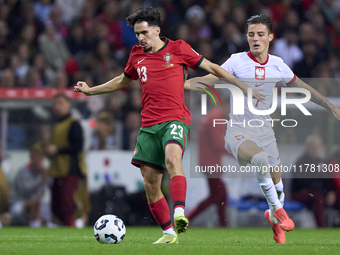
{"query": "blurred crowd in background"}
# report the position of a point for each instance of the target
(55, 43)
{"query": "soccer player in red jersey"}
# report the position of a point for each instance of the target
(161, 64)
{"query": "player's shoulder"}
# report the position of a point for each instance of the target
(179, 43)
(240, 56)
(136, 50)
(275, 59)
(278, 62)
(179, 46)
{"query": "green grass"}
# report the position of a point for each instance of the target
(65, 241)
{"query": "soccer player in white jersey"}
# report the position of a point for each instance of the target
(257, 146)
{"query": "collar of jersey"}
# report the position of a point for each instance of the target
(165, 44)
(255, 60)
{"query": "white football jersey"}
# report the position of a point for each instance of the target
(263, 78)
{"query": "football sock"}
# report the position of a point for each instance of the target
(170, 231)
(272, 217)
(178, 190)
(279, 191)
(179, 210)
(265, 181)
(161, 213)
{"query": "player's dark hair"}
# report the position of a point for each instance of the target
(260, 19)
(145, 13)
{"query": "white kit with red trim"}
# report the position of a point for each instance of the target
(262, 77)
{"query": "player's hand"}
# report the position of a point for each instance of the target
(255, 94)
(82, 87)
(336, 113)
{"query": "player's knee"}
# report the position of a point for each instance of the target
(260, 159)
(260, 162)
(172, 163)
(151, 186)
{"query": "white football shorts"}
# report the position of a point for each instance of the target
(234, 139)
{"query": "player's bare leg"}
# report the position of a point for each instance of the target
(158, 204)
(253, 154)
(178, 184)
(152, 183)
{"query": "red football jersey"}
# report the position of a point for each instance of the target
(162, 75)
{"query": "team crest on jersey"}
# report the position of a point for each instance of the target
(260, 73)
(167, 57)
(239, 137)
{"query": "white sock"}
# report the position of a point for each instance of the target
(265, 181)
(169, 231)
(279, 191)
(272, 217)
(178, 210)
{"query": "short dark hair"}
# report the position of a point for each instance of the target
(62, 95)
(260, 19)
(145, 13)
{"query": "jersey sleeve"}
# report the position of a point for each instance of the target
(189, 56)
(231, 64)
(129, 70)
(288, 77)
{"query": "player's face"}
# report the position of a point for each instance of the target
(259, 37)
(146, 35)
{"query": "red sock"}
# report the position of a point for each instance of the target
(178, 190)
(161, 213)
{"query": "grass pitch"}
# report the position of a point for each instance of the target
(138, 240)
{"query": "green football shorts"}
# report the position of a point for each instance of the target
(151, 142)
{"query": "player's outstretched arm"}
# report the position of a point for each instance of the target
(197, 82)
(317, 98)
(228, 77)
(116, 83)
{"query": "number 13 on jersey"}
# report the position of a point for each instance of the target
(142, 74)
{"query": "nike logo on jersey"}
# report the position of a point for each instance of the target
(269, 188)
(258, 85)
(140, 61)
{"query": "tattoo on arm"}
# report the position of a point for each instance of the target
(316, 97)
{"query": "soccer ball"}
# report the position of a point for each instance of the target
(109, 229)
